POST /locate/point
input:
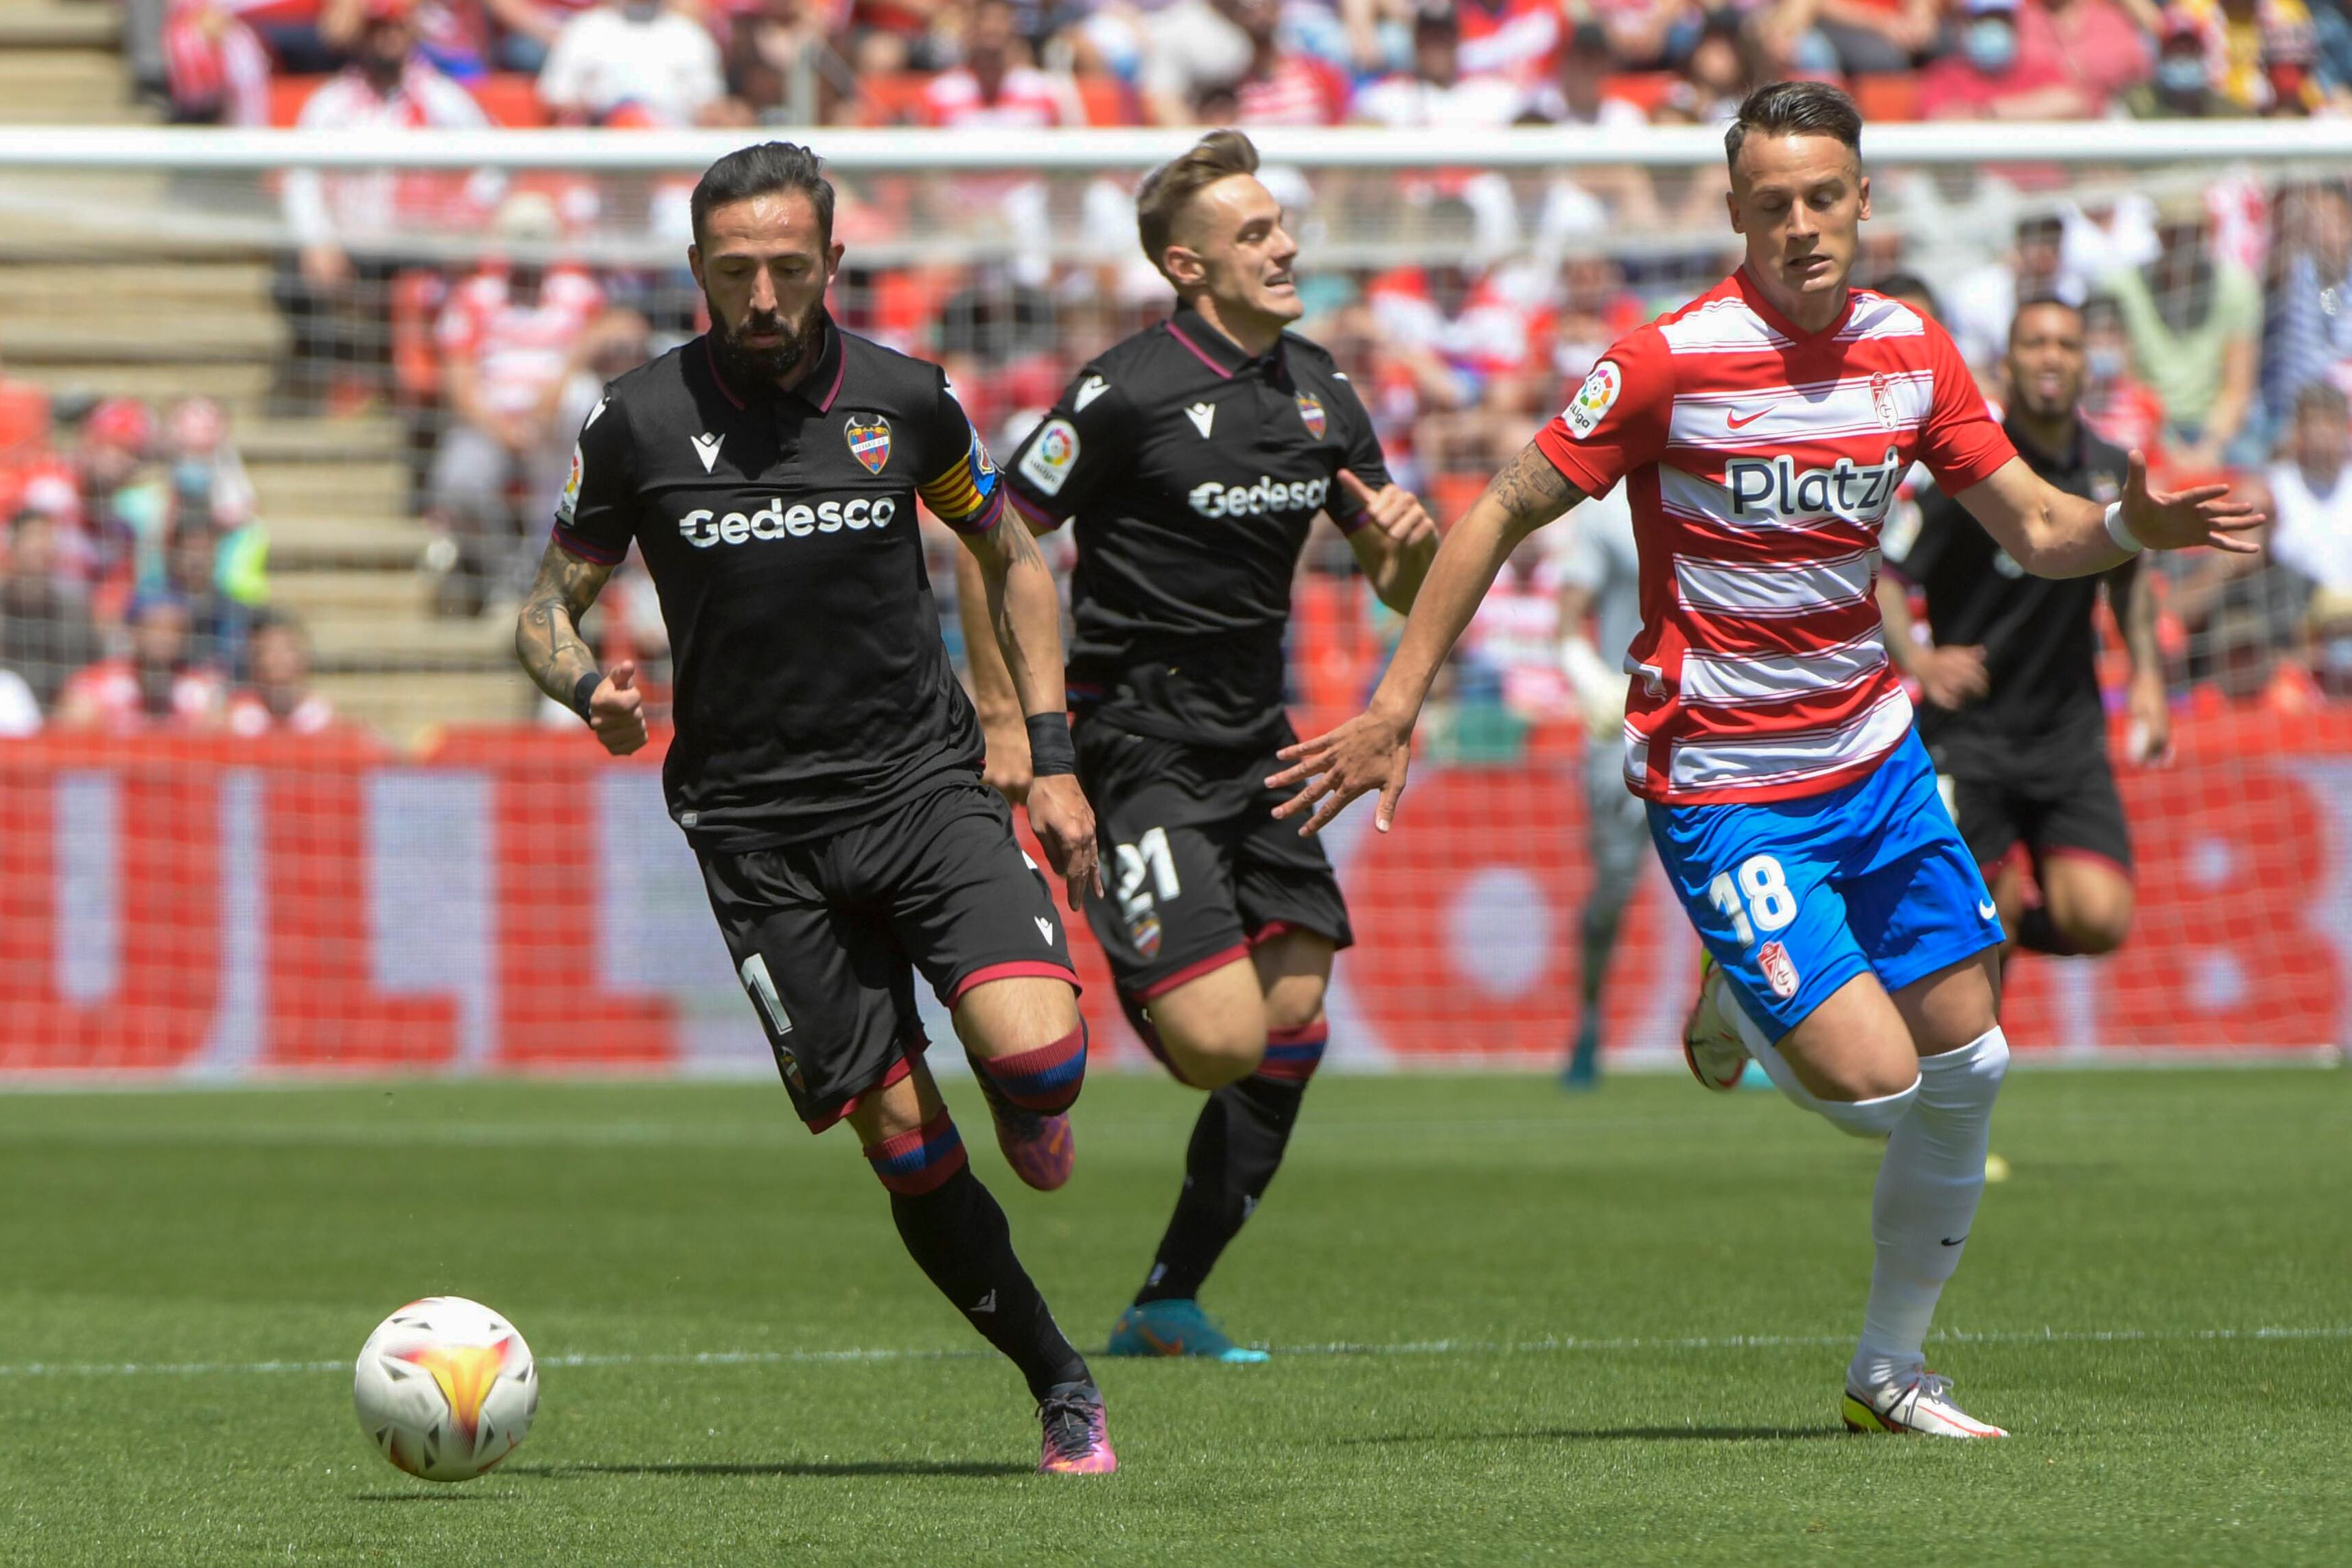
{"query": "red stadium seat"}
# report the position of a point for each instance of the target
(1893, 95)
(286, 97)
(511, 98)
(1643, 89)
(24, 420)
(1109, 101)
(892, 99)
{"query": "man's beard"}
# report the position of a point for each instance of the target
(762, 368)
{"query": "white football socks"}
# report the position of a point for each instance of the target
(1925, 1201)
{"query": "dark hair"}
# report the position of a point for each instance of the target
(1168, 189)
(1911, 286)
(2325, 398)
(1794, 109)
(2039, 302)
(759, 170)
(275, 618)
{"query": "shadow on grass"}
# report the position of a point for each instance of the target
(818, 1468)
(442, 1494)
(1610, 1434)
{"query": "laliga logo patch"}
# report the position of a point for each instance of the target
(1310, 413)
(869, 440)
(1882, 400)
(570, 501)
(1047, 463)
(1594, 399)
(1779, 972)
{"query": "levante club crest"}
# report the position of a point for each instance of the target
(1311, 412)
(869, 440)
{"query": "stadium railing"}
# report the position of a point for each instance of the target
(482, 893)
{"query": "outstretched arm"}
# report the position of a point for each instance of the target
(1024, 624)
(2053, 533)
(548, 641)
(1372, 750)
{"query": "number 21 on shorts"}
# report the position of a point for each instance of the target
(1760, 900)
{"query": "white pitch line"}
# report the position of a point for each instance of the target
(1421, 1347)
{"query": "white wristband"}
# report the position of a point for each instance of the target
(2120, 530)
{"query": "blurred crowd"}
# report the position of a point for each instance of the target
(1259, 62)
(2220, 308)
(133, 587)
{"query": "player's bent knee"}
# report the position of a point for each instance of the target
(919, 1160)
(1212, 1062)
(1045, 1079)
(1873, 1118)
(1293, 1053)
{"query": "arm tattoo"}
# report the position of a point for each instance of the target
(1530, 489)
(547, 633)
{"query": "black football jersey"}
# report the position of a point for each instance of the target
(812, 688)
(2038, 633)
(1192, 472)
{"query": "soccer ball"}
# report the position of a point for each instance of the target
(446, 1387)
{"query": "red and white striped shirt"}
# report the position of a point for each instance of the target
(1760, 460)
(519, 351)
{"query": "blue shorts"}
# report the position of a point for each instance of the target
(1794, 898)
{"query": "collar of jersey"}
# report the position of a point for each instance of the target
(832, 364)
(1213, 349)
(2072, 461)
(1782, 324)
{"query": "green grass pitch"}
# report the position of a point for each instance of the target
(1511, 1326)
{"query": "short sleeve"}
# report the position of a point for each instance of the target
(1065, 462)
(1617, 421)
(1961, 444)
(595, 517)
(1364, 457)
(966, 493)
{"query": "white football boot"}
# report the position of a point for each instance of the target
(1921, 1404)
(1711, 1043)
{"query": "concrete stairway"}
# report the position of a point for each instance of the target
(84, 308)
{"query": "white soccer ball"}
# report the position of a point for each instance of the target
(446, 1387)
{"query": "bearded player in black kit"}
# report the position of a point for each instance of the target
(1193, 458)
(827, 765)
(2011, 714)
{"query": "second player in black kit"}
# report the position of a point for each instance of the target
(826, 763)
(1191, 460)
(2013, 715)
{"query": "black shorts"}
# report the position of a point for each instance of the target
(1197, 868)
(2052, 801)
(826, 935)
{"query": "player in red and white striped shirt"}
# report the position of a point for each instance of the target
(1760, 431)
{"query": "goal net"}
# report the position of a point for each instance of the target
(281, 420)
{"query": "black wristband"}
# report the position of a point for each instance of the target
(1050, 749)
(584, 688)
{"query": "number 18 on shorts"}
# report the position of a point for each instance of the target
(1794, 898)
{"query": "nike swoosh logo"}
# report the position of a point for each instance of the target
(1737, 423)
(1954, 1241)
(1163, 1346)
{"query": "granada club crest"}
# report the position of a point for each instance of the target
(1780, 970)
(1310, 413)
(869, 440)
(1882, 400)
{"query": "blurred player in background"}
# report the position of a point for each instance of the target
(2014, 718)
(1601, 575)
(1762, 429)
(1194, 458)
(827, 765)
